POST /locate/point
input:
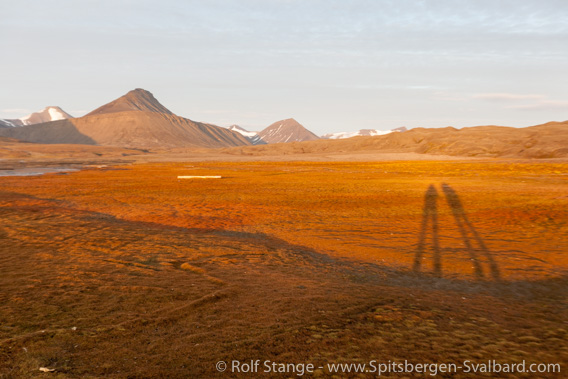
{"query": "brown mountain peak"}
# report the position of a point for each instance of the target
(288, 130)
(135, 100)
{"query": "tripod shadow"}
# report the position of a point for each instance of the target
(474, 244)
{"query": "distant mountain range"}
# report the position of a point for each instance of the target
(47, 114)
(136, 119)
(292, 131)
(139, 120)
(546, 141)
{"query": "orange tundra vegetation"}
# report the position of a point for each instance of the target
(129, 272)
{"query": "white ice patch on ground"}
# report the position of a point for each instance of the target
(8, 122)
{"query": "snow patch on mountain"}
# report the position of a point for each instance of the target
(253, 137)
(55, 114)
(242, 131)
(47, 114)
(362, 132)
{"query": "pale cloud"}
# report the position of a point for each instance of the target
(385, 87)
(77, 111)
(16, 110)
(525, 102)
(506, 96)
(545, 105)
(449, 96)
(333, 63)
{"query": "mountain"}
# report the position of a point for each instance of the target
(135, 100)
(135, 120)
(362, 132)
(544, 141)
(50, 113)
(288, 130)
(253, 137)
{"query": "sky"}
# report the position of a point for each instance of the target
(332, 65)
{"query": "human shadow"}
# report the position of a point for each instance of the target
(429, 216)
(470, 236)
(474, 244)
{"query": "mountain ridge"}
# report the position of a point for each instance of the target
(136, 120)
(543, 141)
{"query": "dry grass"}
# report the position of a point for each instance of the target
(132, 273)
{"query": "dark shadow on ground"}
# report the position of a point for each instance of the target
(353, 270)
(429, 216)
(470, 236)
(474, 244)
